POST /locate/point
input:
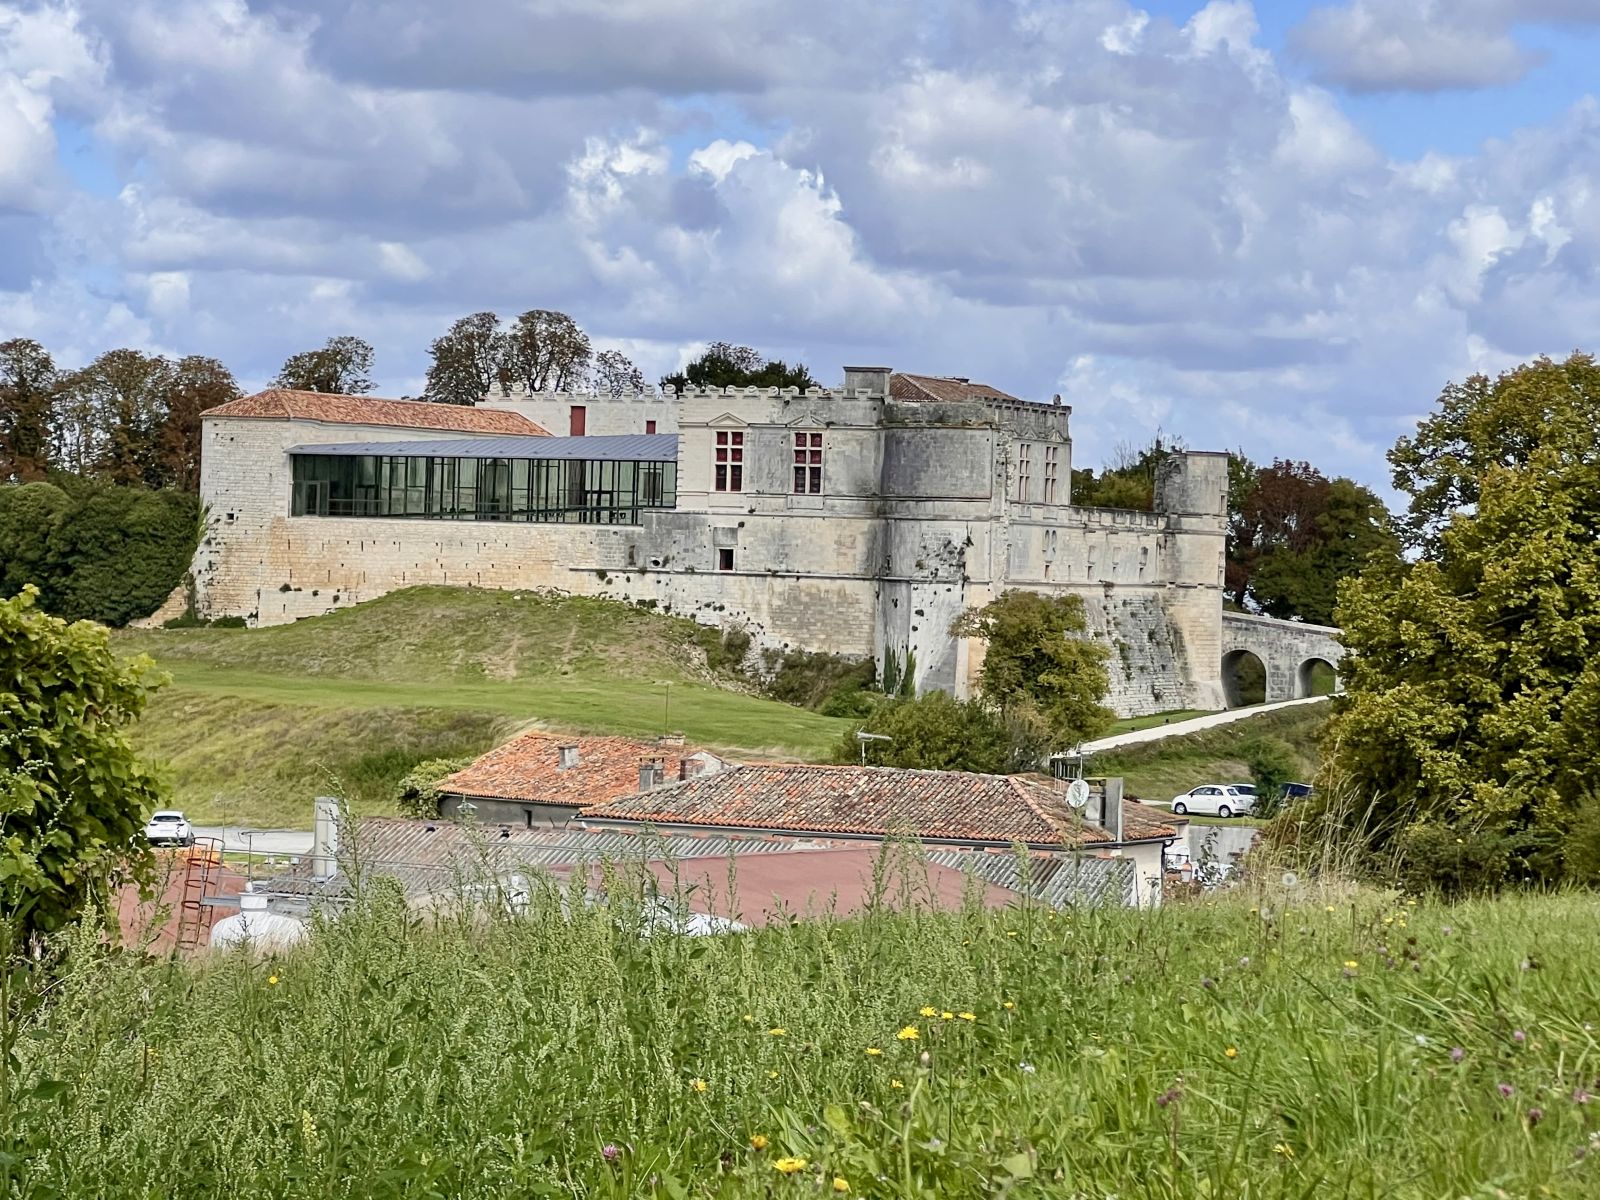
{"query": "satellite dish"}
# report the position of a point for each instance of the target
(1077, 793)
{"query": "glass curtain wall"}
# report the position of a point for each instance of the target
(586, 491)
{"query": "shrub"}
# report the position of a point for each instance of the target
(417, 793)
(1272, 764)
(827, 683)
(230, 623)
(725, 649)
(939, 732)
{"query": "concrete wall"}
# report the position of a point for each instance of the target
(927, 509)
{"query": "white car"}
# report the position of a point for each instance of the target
(169, 827)
(1216, 799)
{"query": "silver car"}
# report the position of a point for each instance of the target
(1215, 799)
(169, 827)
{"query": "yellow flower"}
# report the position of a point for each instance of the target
(1388, 920)
(1011, 933)
(1351, 964)
(749, 1020)
(789, 1164)
(1231, 1052)
(698, 1085)
(1009, 1005)
(1286, 1150)
(873, 1052)
(908, 1034)
(895, 1083)
(772, 1074)
(1330, 908)
(841, 1184)
(946, 1016)
(758, 1141)
(968, 1016)
(927, 1010)
(273, 980)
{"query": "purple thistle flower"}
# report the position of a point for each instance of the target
(1535, 1115)
(1579, 1096)
(1518, 1036)
(1505, 1089)
(610, 1151)
(1457, 1054)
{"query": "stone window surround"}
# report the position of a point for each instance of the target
(808, 451)
(728, 468)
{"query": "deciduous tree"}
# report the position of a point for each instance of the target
(548, 352)
(1038, 663)
(1473, 675)
(937, 732)
(615, 374)
(120, 403)
(339, 368)
(73, 794)
(468, 361)
(197, 385)
(29, 383)
(726, 365)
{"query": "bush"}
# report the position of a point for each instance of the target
(1272, 764)
(831, 684)
(725, 649)
(417, 793)
(229, 623)
(1452, 862)
(939, 732)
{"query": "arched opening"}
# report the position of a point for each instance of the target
(1244, 679)
(1315, 677)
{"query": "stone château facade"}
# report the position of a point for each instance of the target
(861, 520)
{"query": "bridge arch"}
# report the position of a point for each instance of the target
(1244, 678)
(1297, 659)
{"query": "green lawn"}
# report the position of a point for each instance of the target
(257, 722)
(1151, 720)
(1290, 1043)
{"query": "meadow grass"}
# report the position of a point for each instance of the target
(1281, 1042)
(256, 721)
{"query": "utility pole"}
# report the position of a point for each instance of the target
(863, 737)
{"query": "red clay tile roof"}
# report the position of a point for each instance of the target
(942, 387)
(283, 404)
(529, 768)
(880, 801)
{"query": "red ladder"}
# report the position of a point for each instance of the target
(202, 869)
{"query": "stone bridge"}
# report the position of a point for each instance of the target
(1287, 653)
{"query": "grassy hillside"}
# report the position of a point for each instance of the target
(257, 721)
(1160, 770)
(1287, 1044)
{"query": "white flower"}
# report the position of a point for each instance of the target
(1027, 1068)
(1290, 879)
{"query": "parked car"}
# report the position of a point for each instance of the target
(1296, 791)
(169, 827)
(1217, 799)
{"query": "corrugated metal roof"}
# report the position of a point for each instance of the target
(1061, 882)
(630, 447)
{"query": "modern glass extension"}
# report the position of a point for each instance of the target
(600, 490)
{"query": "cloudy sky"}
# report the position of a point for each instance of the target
(1280, 227)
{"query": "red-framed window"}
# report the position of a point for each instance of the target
(808, 464)
(730, 460)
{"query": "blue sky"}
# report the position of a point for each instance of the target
(1280, 227)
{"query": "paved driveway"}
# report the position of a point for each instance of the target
(260, 841)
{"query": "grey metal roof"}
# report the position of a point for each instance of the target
(629, 447)
(1061, 882)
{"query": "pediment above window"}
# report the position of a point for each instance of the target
(728, 421)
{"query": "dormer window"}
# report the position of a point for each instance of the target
(808, 464)
(730, 460)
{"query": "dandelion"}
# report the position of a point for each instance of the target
(777, 1031)
(272, 980)
(758, 1141)
(946, 1016)
(874, 1052)
(698, 1084)
(1231, 1052)
(789, 1164)
(908, 1034)
(772, 1074)
(895, 1083)
(1290, 879)
(927, 1010)
(1284, 1149)
(967, 1016)
(1009, 1005)
(841, 1184)
(1505, 1090)
(749, 1020)
(610, 1151)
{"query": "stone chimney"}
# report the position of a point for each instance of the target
(875, 380)
(567, 756)
(652, 773)
(325, 838)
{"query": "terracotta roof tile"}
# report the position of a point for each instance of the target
(528, 768)
(942, 388)
(880, 801)
(284, 404)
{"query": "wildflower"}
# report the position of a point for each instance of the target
(927, 1010)
(749, 1020)
(946, 1016)
(1505, 1089)
(272, 980)
(789, 1164)
(1518, 1036)
(1351, 964)
(1421, 1039)
(772, 1074)
(1329, 908)
(1457, 1054)
(1009, 1005)
(758, 1141)
(1027, 1068)
(308, 1125)
(908, 1034)
(1535, 1115)
(1290, 879)
(1284, 1149)
(1171, 1096)
(873, 1052)
(841, 1184)
(934, 1143)
(610, 1151)
(1579, 1096)
(698, 1084)
(1011, 933)
(777, 1031)
(895, 1083)
(1231, 1052)
(1445, 929)
(967, 1016)
(1245, 961)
